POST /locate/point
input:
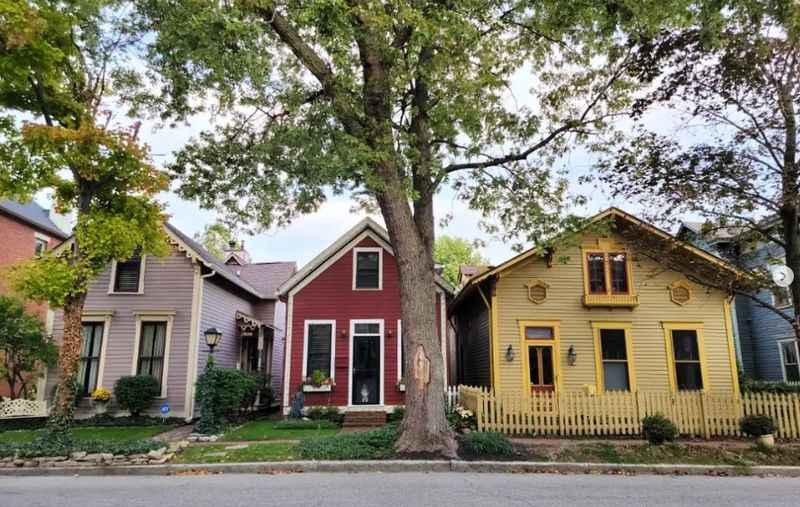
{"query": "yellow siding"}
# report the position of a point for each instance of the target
(566, 288)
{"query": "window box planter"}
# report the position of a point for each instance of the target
(324, 388)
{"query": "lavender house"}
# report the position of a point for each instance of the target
(148, 316)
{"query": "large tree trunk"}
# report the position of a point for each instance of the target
(68, 359)
(424, 430)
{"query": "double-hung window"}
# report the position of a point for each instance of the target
(152, 350)
(687, 357)
(367, 265)
(789, 360)
(319, 348)
(89, 366)
(613, 355)
(39, 246)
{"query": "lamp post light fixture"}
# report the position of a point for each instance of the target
(213, 337)
(572, 356)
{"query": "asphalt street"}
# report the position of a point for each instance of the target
(399, 489)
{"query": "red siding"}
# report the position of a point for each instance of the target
(330, 296)
(17, 244)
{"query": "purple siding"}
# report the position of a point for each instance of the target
(168, 285)
(218, 310)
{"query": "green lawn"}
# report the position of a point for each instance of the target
(251, 453)
(273, 430)
(107, 434)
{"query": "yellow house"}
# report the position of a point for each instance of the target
(619, 309)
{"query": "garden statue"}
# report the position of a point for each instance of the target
(298, 401)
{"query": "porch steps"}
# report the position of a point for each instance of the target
(359, 419)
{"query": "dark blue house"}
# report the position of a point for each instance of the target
(765, 343)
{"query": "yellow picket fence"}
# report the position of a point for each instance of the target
(621, 413)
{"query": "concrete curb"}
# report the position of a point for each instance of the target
(394, 466)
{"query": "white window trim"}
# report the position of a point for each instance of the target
(363, 249)
(114, 276)
(38, 236)
(382, 367)
(106, 320)
(399, 350)
(780, 354)
(306, 325)
(157, 316)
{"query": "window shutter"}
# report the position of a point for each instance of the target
(127, 276)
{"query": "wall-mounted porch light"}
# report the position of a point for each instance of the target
(572, 356)
(510, 353)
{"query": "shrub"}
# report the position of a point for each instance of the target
(299, 424)
(375, 444)
(658, 429)
(461, 418)
(396, 415)
(135, 394)
(220, 394)
(760, 386)
(42, 447)
(331, 414)
(486, 445)
(757, 425)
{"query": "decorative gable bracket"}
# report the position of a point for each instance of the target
(537, 291)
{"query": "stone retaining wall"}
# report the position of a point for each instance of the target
(82, 459)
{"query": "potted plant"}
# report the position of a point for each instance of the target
(100, 398)
(318, 382)
(462, 419)
(760, 426)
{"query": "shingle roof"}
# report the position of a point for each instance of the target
(267, 276)
(32, 214)
(228, 272)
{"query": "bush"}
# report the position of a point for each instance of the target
(658, 429)
(220, 394)
(757, 425)
(396, 415)
(135, 394)
(331, 414)
(760, 386)
(42, 447)
(299, 424)
(375, 444)
(486, 445)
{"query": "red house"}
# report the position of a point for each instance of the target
(343, 322)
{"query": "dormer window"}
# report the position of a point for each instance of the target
(367, 268)
(127, 275)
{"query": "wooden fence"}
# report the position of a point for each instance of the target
(451, 397)
(621, 413)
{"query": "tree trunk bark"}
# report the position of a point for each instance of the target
(424, 431)
(68, 359)
(790, 206)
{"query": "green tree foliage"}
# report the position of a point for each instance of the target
(451, 253)
(393, 101)
(733, 74)
(24, 347)
(215, 237)
(61, 63)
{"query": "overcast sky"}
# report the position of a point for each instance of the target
(310, 234)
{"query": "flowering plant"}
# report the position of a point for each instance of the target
(101, 394)
(462, 418)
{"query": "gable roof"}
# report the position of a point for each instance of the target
(34, 215)
(617, 213)
(365, 225)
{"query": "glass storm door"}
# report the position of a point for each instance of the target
(366, 370)
(540, 368)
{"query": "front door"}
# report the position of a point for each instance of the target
(540, 368)
(366, 370)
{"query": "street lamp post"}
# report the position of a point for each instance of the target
(213, 338)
